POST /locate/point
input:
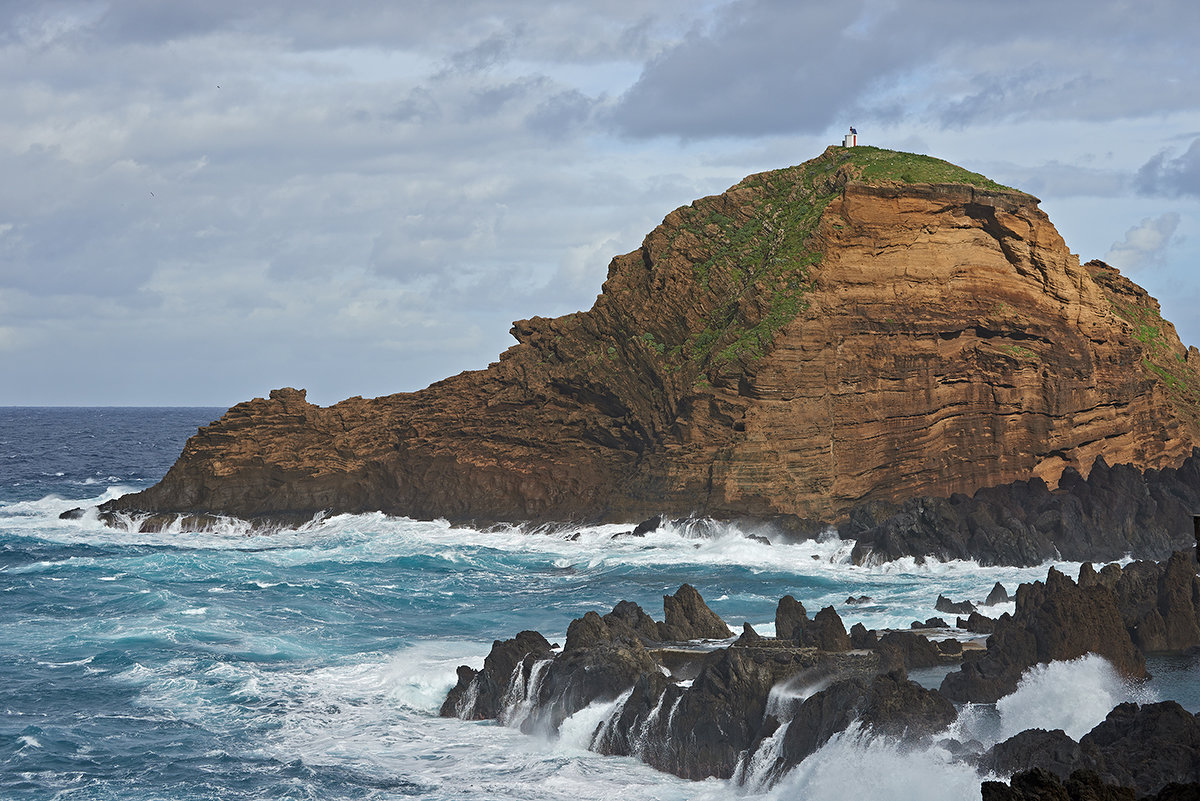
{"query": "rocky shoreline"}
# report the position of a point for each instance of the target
(685, 697)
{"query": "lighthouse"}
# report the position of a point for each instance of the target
(851, 139)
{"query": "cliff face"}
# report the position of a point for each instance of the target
(836, 333)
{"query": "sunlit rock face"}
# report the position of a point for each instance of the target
(862, 328)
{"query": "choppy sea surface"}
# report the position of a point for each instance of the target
(310, 663)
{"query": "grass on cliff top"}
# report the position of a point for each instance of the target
(878, 164)
(771, 248)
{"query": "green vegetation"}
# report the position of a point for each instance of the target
(1018, 352)
(912, 168)
(1149, 329)
(756, 276)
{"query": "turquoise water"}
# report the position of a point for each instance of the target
(310, 663)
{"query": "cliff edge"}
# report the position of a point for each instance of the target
(865, 327)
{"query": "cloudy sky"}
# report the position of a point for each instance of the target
(204, 200)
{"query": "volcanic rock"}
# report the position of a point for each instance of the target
(998, 595)
(944, 604)
(689, 618)
(1057, 620)
(817, 339)
(1143, 749)
(888, 704)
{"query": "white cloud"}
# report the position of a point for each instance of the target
(1145, 244)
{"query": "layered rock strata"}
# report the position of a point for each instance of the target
(854, 331)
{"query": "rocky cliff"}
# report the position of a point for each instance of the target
(862, 328)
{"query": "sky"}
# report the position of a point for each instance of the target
(203, 201)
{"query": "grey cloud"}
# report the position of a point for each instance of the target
(1163, 175)
(768, 67)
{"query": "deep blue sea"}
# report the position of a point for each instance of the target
(310, 663)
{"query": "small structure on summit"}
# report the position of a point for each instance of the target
(850, 139)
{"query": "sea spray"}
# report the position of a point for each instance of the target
(1072, 695)
(853, 764)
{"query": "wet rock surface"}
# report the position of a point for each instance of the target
(1114, 512)
(1136, 752)
(754, 708)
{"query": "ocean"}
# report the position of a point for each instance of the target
(310, 663)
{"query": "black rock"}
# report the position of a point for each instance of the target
(689, 618)
(791, 619)
(998, 595)
(944, 604)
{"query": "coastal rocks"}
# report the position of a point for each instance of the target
(699, 713)
(1115, 511)
(689, 618)
(976, 623)
(824, 631)
(887, 704)
(480, 695)
(942, 334)
(998, 595)
(1142, 748)
(944, 604)
(1057, 620)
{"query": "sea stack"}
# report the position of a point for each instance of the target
(862, 328)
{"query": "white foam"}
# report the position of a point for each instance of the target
(1073, 696)
(855, 765)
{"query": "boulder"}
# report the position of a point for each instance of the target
(791, 619)
(689, 618)
(912, 651)
(1145, 747)
(998, 595)
(827, 632)
(977, 623)
(944, 604)
(1051, 751)
(861, 637)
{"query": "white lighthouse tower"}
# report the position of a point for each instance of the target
(851, 139)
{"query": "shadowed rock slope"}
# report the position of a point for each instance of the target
(862, 328)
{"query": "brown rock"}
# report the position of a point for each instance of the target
(806, 342)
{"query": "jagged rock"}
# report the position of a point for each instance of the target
(1145, 747)
(1030, 785)
(944, 604)
(888, 704)
(861, 637)
(1052, 751)
(1115, 511)
(689, 618)
(791, 619)
(930, 623)
(998, 595)
(861, 599)
(712, 376)
(977, 623)
(749, 636)
(1137, 751)
(904, 648)
(631, 616)
(479, 695)
(827, 632)
(1057, 620)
